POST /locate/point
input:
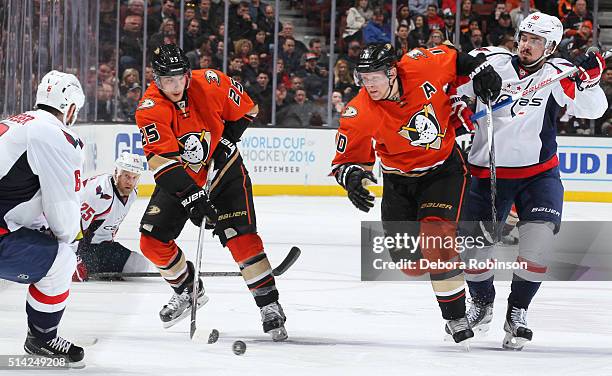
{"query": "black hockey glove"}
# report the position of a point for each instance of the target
(198, 206)
(354, 178)
(487, 83)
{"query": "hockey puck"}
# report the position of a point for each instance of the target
(239, 347)
(213, 336)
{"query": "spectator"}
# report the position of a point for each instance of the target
(419, 7)
(203, 47)
(243, 49)
(449, 27)
(105, 104)
(218, 55)
(576, 17)
(357, 18)
(131, 43)
(337, 108)
(148, 76)
(282, 77)
(503, 26)
(344, 81)
(235, 67)
(605, 122)
(191, 35)
(449, 6)
(435, 39)
(256, 10)
(261, 91)
(297, 83)
(209, 17)
(267, 22)
(571, 47)
(300, 114)
(290, 56)
(251, 70)
(564, 8)
(376, 30)
(129, 78)
(189, 13)
(287, 32)
(129, 102)
(492, 20)
(135, 7)
(206, 61)
(401, 39)
(168, 26)
(465, 37)
(241, 26)
(419, 36)
(475, 41)
(314, 46)
(105, 74)
(281, 97)
(315, 78)
(403, 16)
(352, 56)
(507, 42)
(434, 21)
(467, 15)
(155, 21)
(262, 46)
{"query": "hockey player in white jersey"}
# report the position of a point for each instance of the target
(527, 164)
(40, 166)
(105, 201)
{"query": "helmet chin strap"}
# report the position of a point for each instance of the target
(391, 84)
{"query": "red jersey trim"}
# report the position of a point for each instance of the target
(515, 172)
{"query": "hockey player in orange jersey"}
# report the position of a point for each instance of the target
(187, 119)
(404, 107)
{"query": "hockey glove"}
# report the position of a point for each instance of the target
(198, 206)
(460, 116)
(590, 68)
(487, 83)
(354, 178)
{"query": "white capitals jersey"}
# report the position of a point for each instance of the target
(102, 208)
(40, 167)
(525, 131)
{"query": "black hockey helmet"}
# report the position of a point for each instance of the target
(169, 60)
(376, 57)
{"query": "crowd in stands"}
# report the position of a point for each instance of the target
(302, 69)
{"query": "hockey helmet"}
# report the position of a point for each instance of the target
(60, 90)
(130, 162)
(543, 25)
(170, 60)
(375, 58)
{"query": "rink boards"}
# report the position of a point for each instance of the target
(285, 161)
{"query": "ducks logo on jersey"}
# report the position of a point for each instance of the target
(423, 129)
(194, 149)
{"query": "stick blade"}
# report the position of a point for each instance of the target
(290, 259)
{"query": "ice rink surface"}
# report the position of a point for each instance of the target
(337, 325)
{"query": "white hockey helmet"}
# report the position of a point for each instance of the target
(61, 90)
(130, 162)
(543, 25)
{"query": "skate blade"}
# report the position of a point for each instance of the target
(201, 302)
(481, 330)
(465, 344)
(278, 334)
(514, 343)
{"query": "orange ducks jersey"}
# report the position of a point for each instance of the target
(411, 135)
(191, 129)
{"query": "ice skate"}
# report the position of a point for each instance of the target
(57, 347)
(517, 332)
(179, 306)
(273, 319)
(479, 316)
(459, 330)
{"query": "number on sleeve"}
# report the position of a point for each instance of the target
(234, 96)
(341, 143)
(77, 180)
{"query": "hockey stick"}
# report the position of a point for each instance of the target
(196, 278)
(287, 262)
(531, 90)
(492, 169)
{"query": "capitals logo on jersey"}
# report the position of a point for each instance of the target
(423, 129)
(194, 149)
(102, 195)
